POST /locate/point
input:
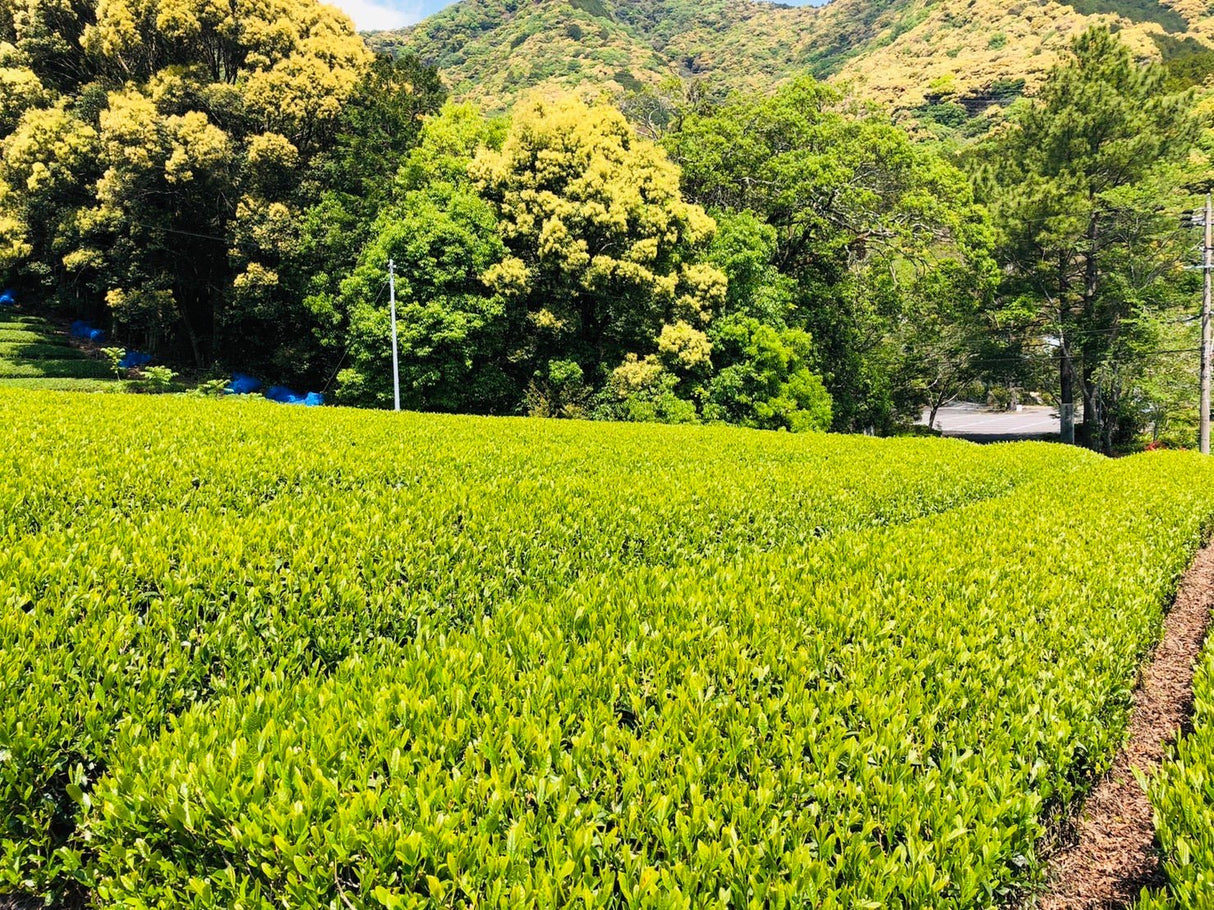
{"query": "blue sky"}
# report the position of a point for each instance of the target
(377, 14)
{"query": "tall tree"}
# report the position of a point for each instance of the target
(604, 250)
(345, 193)
(535, 254)
(1084, 188)
(444, 240)
(156, 170)
(860, 216)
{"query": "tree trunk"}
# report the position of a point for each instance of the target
(1090, 433)
(1089, 428)
(1066, 407)
(192, 336)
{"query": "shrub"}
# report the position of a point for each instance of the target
(357, 659)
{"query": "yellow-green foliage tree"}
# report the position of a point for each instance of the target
(534, 257)
(153, 157)
(603, 249)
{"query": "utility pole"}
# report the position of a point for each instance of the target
(395, 362)
(1207, 264)
(1066, 409)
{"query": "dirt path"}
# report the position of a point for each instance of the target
(1112, 856)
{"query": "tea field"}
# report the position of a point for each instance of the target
(36, 355)
(255, 656)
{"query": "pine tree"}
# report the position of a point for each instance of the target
(1082, 184)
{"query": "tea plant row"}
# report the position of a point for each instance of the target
(255, 658)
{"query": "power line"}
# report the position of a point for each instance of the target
(1056, 358)
(169, 230)
(346, 351)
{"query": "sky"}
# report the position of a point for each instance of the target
(370, 15)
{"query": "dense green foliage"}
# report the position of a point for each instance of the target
(561, 265)
(156, 168)
(1084, 186)
(781, 260)
(534, 257)
(1183, 798)
(863, 240)
(342, 659)
(400, 661)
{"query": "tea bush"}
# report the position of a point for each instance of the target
(1183, 800)
(257, 656)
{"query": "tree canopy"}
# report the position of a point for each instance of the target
(1086, 186)
(156, 168)
(227, 183)
(859, 225)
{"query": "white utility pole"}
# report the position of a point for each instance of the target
(1207, 265)
(395, 362)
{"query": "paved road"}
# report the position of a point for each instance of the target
(976, 423)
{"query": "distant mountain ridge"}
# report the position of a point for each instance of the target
(939, 59)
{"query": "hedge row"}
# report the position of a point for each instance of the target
(1183, 799)
(71, 366)
(330, 659)
(883, 720)
(42, 350)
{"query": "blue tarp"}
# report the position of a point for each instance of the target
(135, 359)
(283, 395)
(8, 298)
(243, 384)
(85, 330)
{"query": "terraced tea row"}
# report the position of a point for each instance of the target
(36, 355)
(1183, 800)
(883, 720)
(332, 657)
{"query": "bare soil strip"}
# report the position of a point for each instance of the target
(1112, 855)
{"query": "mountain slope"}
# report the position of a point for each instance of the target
(493, 49)
(977, 51)
(915, 55)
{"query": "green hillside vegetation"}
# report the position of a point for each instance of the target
(1135, 11)
(500, 48)
(34, 354)
(889, 52)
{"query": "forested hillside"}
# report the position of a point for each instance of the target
(225, 190)
(957, 58)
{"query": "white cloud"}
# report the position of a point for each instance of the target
(369, 15)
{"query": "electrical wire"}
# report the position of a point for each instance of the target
(345, 353)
